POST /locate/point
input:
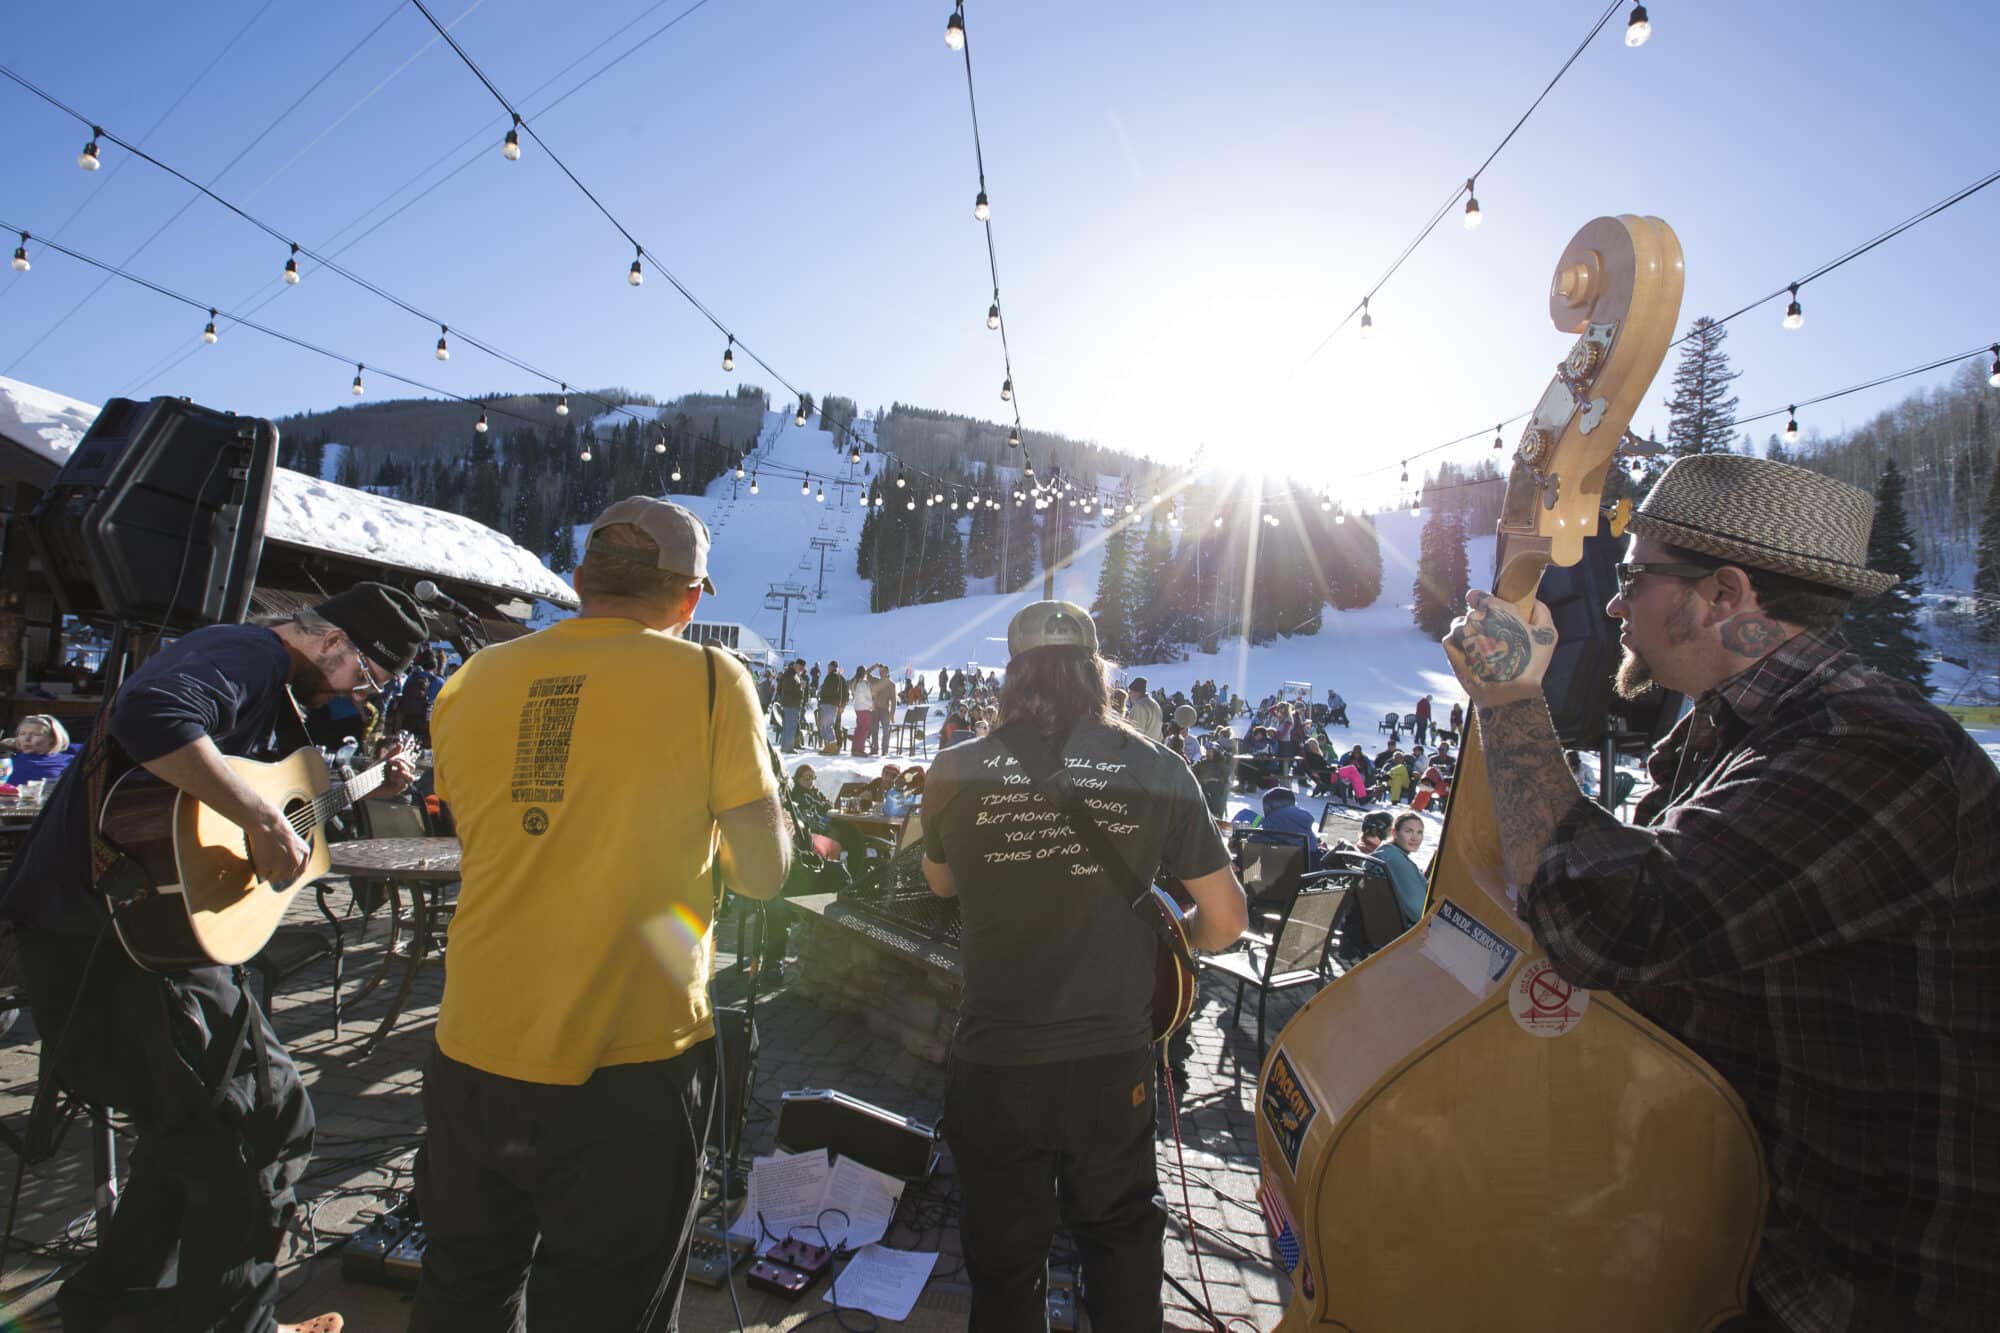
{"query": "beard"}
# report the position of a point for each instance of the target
(1635, 678)
(312, 681)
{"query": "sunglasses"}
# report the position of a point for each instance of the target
(369, 684)
(1627, 573)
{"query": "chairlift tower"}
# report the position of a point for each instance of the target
(780, 598)
(823, 545)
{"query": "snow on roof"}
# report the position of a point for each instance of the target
(319, 515)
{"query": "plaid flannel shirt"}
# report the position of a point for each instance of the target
(1810, 899)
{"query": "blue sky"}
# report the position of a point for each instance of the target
(1187, 198)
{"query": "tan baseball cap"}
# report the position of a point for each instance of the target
(1051, 625)
(681, 537)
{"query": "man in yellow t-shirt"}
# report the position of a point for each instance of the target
(597, 771)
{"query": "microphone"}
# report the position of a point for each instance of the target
(427, 591)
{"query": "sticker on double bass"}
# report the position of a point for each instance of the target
(1543, 1003)
(1474, 956)
(1287, 1109)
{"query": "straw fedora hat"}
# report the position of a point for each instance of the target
(1751, 511)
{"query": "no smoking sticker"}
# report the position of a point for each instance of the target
(1545, 1004)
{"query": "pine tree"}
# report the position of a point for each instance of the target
(1017, 546)
(1884, 630)
(982, 546)
(1986, 578)
(1701, 420)
(1159, 620)
(1358, 549)
(1441, 576)
(1113, 608)
(944, 561)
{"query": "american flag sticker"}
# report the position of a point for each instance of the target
(1284, 1237)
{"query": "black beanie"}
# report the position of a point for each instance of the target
(384, 622)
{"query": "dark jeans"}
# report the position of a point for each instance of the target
(209, 1192)
(560, 1207)
(1074, 1140)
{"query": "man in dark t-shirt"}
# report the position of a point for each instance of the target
(209, 1194)
(1051, 1084)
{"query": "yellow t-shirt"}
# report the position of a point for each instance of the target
(584, 772)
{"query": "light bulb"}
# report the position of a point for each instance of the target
(480, 425)
(954, 32)
(1795, 315)
(1994, 378)
(357, 381)
(1014, 437)
(954, 506)
(292, 266)
(511, 149)
(753, 485)
(562, 404)
(1007, 390)
(87, 159)
(900, 483)
(910, 503)
(800, 419)
(878, 502)
(21, 264)
(739, 469)
(1638, 28)
(1406, 474)
(636, 275)
(1367, 320)
(585, 455)
(444, 349)
(1326, 506)
(805, 487)
(819, 496)
(208, 334)
(1218, 520)
(1791, 425)
(660, 447)
(1340, 517)
(993, 315)
(854, 454)
(1472, 218)
(1415, 509)
(675, 475)
(729, 354)
(1497, 442)
(980, 210)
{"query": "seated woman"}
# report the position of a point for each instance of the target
(812, 808)
(40, 748)
(1259, 766)
(1314, 764)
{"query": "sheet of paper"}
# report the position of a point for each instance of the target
(882, 1281)
(787, 1191)
(867, 1197)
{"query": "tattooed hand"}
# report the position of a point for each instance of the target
(1497, 656)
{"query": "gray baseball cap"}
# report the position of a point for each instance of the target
(681, 537)
(1051, 625)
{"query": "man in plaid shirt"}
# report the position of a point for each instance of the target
(1809, 897)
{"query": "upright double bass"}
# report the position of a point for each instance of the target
(1451, 1136)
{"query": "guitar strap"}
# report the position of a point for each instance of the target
(1034, 756)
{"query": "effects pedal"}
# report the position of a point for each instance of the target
(1062, 1302)
(779, 1279)
(403, 1266)
(712, 1256)
(810, 1259)
(361, 1258)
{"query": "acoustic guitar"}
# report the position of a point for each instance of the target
(1452, 1136)
(206, 904)
(1173, 970)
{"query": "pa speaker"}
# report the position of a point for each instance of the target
(892, 1144)
(157, 519)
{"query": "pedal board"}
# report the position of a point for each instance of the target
(712, 1256)
(403, 1266)
(1062, 1301)
(791, 1269)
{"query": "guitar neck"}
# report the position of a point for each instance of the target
(345, 793)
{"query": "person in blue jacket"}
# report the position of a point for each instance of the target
(39, 748)
(1283, 815)
(1404, 877)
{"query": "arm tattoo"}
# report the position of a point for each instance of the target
(1532, 787)
(1751, 635)
(1544, 637)
(1495, 644)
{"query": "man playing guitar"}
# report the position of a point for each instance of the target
(193, 1243)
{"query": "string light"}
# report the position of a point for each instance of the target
(357, 379)
(1791, 425)
(739, 469)
(1994, 378)
(1006, 385)
(511, 148)
(1405, 478)
(1498, 443)
(1472, 218)
(910, 503)
(1415, 507)
(1367, 320)
(729, 355)
(292, 266)
(854, 453)
(562, 403)
(21, 264)
(675, 475)
(87, 159)
(637, 274)
(444, 350)
(585, 454)
(819, 496)
(208, 334)
(800, 418)
(954, 31)
(993, 313)
(805, 487)
(1794, 315)
(480, 425)
(900, 482)
(1638, 28)
(753, 483)
(1340, 517)
(1014, 437)
(1218, 520)
(660, 447)
(878, 502)
(980, 211)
